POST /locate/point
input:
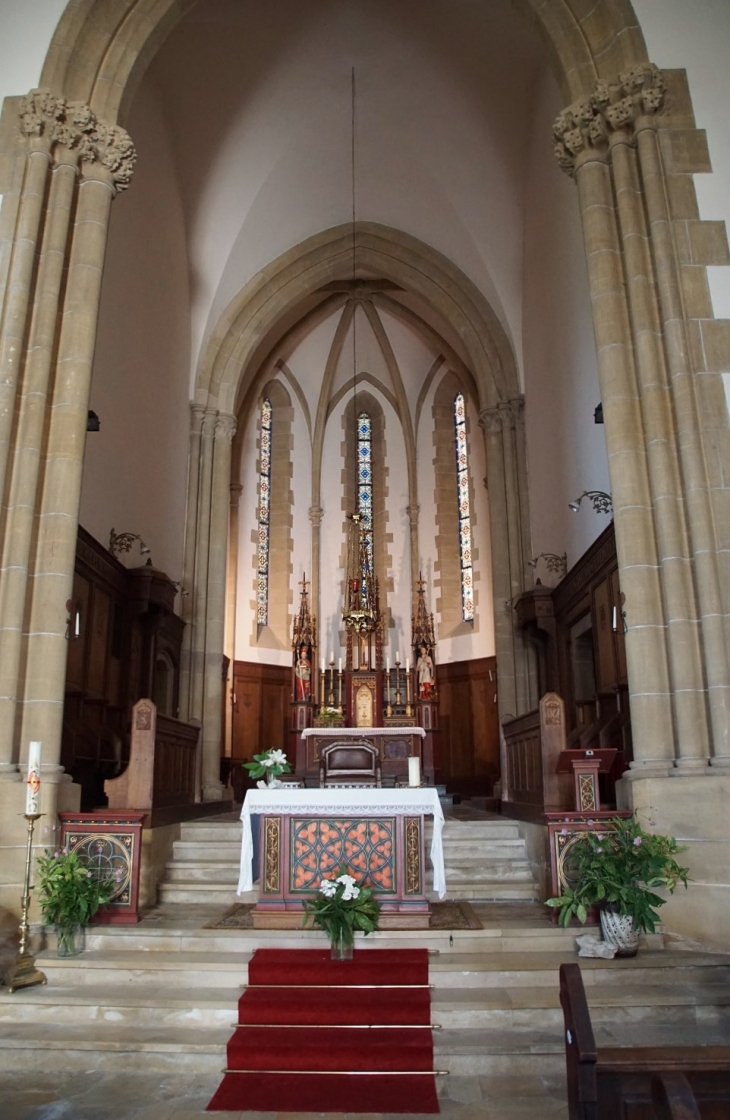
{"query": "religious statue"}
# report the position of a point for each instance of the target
(303, 674)
(424, 674)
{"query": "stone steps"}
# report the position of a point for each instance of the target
(163, 1003)
(484, 859)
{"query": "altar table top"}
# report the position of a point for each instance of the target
(361, 732)
(366, 802)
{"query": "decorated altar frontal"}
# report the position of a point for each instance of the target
(307, 834)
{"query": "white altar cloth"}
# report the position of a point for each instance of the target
(360, 732)
(328, 802)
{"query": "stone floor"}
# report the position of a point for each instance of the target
(140, 1096)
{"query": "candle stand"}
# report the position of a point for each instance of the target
(25, 974)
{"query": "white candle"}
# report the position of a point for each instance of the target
(387, 664)
(408, 664)
(339, 666)
(414, 771)
(322, 664)
(332, 657)
(33, 794)
(397, 657)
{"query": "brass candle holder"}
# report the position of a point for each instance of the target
(25, 974)
(389, 707)
(409, 709)
(397, 685)
(331, 694)
(339, 691)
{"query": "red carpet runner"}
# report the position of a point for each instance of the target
(300, 1045)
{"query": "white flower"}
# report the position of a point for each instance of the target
(261, 784)
(328, 888)
(267, 761)
(346, 879)
(276, 758)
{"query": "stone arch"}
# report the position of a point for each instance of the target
(100, 51)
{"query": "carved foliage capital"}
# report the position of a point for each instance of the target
(73, 125)
(491, 420)
(587, 125)
(225, 427)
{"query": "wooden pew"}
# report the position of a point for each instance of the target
(637, 1083)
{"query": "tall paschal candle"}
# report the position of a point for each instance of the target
(33, 792)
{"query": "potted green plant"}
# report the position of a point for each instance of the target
(267, 767)
(330, 717)
(340, 908)
(69, 894)
(619, 869)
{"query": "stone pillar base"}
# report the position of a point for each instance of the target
(693, 809)
(213, 791)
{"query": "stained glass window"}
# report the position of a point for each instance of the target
(264, 514)
(365, 484)
(462, 489)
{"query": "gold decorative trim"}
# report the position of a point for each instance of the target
(587, 792)
(413, 855)
(272, 848)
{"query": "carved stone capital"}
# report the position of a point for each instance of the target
(74, 126)
(315, 515)
(491, 420)
(586, 126)
(208, 422)
(225, 427)
(413, 514)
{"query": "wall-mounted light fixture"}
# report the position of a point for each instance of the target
(93, 423)
(599, 499)
(553, 562)
(598, 413)
(122, 542)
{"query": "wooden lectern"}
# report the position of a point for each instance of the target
(585, 766)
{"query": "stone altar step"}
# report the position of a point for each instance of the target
(498, 1012)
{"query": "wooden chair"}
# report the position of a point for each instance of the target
(350, 764)
(637, 1083)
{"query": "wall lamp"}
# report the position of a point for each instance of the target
(93, 423)
(122, 542)
(553, 562)
(599, 499)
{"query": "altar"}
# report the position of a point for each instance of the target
(307, 834)
(395, 745)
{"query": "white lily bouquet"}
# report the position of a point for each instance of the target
(341, 907)
(267, 767)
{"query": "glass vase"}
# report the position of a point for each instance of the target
(341, 948)
(70, 940)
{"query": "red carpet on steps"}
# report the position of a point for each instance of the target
(300, 1045)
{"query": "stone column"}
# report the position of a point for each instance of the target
(107, 158)
(236, 490)
(187, 607)
(693, 748)
(225, 427)
(664, 533)
(315, 517)
(511, 413)
(199, 589)
(22, 477)
(491, 420)
(413, 512)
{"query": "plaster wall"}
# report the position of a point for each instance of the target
(566, 450)
(135, 468)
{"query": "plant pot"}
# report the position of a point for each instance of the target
(70, 940)
(618, 929)
(341, 949)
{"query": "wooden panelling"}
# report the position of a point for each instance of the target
(262, 695)
(467, 745)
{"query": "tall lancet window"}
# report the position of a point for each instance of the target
(262, 602)
(365, 482)
(462, 487)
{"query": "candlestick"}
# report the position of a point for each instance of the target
(25, 974)
(33, 794)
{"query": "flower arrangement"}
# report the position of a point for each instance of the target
(620, 869)
(268, 766)
(329, 717)
(341, 907)
(69, 892)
